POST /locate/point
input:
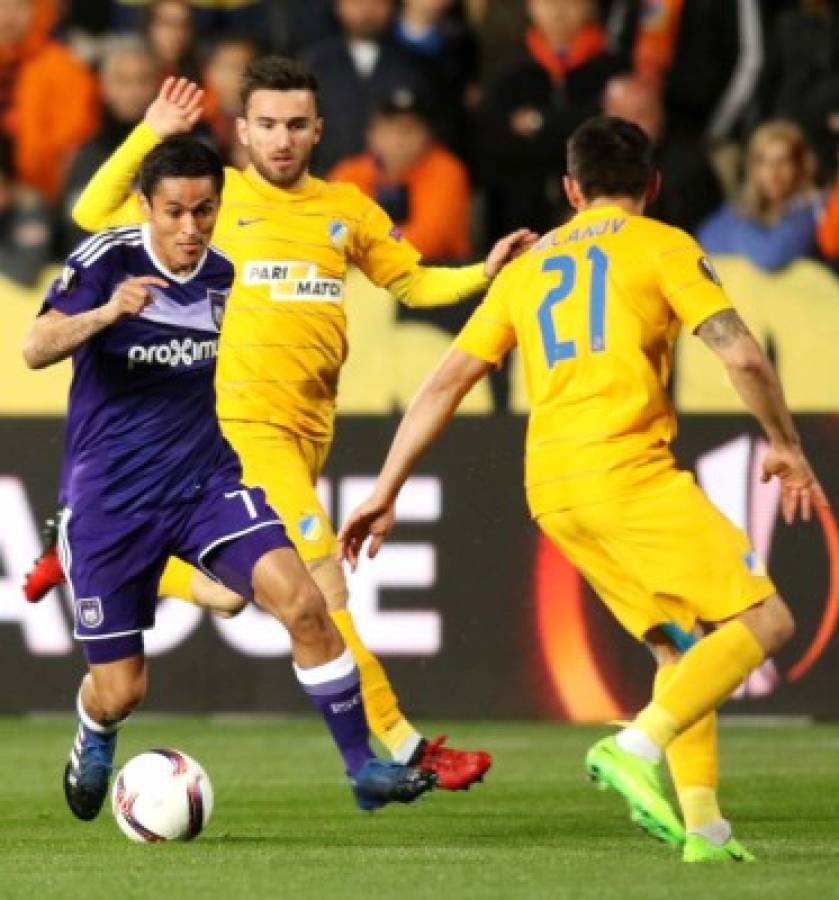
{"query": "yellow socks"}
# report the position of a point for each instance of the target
(705, 676)
(384, 717)
(694, 763)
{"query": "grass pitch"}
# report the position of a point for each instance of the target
(284, 824)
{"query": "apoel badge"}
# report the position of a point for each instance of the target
(337, 232)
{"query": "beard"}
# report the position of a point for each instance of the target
(285, 179)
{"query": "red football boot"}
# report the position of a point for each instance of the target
(47, 572)
(456, 770)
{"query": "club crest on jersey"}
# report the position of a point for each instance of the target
(89, 612)
(218, 302)
(337, 232)
(310, 527)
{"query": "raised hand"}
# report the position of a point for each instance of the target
(507, 249)
(177, 109)
(371, 518)
(800, 489)
(131, 297)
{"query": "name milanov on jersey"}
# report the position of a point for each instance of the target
(141, 424)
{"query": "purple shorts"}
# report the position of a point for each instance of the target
(113, 561)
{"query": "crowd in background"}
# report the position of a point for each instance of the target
(452, 114)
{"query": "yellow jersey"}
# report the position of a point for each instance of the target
(284, 336)
(595, 308)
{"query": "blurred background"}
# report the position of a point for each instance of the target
(453, 115)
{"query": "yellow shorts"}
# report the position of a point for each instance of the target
(665, 554)
(286, 467)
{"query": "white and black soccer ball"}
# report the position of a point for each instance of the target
(162, 795)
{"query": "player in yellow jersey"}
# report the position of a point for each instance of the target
(594, 309)
(292, 238)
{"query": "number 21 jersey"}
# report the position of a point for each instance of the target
(595, 308)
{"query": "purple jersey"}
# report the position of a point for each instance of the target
(141, 424)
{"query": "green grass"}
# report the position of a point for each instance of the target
(284, 824)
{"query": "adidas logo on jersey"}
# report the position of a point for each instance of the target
(174, 353)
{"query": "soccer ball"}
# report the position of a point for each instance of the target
(162, 795)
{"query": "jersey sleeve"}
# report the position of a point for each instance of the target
(78, 288)
(689, 281)
(108, 201)
(490, 333)
(379, 248)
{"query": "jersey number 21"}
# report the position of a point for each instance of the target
(555, 349)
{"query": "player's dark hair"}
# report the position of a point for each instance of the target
(610, 157)
(180, 156)
(276, 73)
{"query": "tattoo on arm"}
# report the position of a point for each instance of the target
(722, 329)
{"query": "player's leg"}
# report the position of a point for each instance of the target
(387, 721)
(693, 757)
(709, 673)
(693, 760)
(693, 564)
(112, 567)
(700, 681)
(107, 696)
(582, 542)
(287, 468)
(455, 769)
(237, 537)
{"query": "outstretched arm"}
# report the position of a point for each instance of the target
(427, 416)
(429, 286)
(107, 200)
(758, 385)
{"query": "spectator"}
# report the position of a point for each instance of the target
(223, 82)
(802, 73)
(690, 190)
(170, 32)
(710, 88)
(357, 72)
(449, 49)
(128, 80)
(24, 225)
(533, 109)
(34, 72)
(423, 187)
(775, 220)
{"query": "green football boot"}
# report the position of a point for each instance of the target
(700, 849)
(637, 781)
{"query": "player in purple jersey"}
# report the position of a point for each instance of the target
(148, 473)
